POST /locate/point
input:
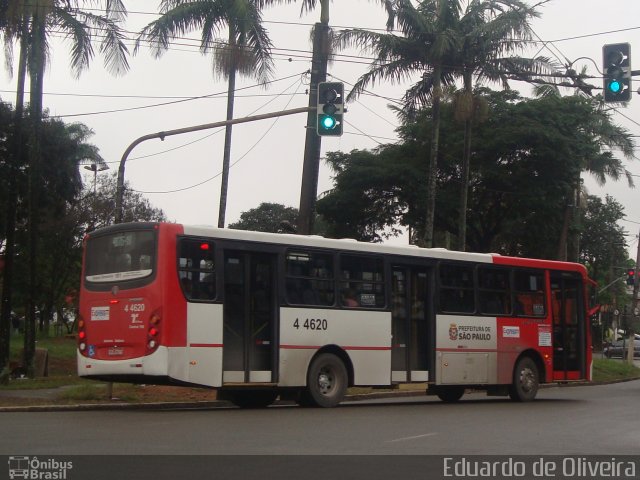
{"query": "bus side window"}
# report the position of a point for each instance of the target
(494, 291)
(362, 282)
(456, 288)
(196, 269)
(309, 278)
(529, 294)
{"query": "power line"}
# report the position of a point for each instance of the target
(235, 162)
(173, 102)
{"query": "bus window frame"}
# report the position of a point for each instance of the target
(474, 287)
(383, 260)
(125, 284)
(213, 245)
(545, 292)
(285, 275)
(509, 292)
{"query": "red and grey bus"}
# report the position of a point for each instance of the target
(261, 315)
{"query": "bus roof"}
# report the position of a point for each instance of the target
(347, 244)
(316, 241)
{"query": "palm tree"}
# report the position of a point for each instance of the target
(601, 165)
(13, 26)
(32, 23)
(427, 46)
(441, 42)
(247, 50)
(492, 33)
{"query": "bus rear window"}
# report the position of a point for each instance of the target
(120, 256)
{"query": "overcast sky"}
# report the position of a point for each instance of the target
(182, 174)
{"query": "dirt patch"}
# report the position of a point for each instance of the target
(160, 393)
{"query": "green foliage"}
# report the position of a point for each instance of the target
(96, 208)
(526, 158)
(66, 211)
(372, 192)
(603, 246)
(267, 217)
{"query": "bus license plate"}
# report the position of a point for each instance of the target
(115, 351)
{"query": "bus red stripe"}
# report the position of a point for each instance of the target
(345, 347)
(473, 350)
(210, 345)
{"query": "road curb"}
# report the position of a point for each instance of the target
(197, 405)
(208, 404)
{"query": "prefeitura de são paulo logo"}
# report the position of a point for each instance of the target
(453, 331)
(38, 469)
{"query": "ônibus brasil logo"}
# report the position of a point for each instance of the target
(38, 469)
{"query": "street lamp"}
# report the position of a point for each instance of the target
(95, 168)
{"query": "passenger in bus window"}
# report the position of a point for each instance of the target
(187, 287)
(349, 299)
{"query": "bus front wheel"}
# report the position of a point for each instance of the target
(327, 381)
(525, 380)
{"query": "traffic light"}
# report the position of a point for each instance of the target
(616, 63)
(330, 109)
(631, 275)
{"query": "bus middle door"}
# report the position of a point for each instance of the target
(409, 324)
(249, 317)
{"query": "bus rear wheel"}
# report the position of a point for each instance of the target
(526, 380)
(252, 398)
(450, 394)
(327, 382)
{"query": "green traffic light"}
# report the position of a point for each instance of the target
(615, 86)
(327, 122)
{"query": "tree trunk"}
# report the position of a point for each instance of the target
(433, 159)
(564, 234)
(226, 159)
(36, 86)
(466, 163)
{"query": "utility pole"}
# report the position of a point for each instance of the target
(311, 165)
(635, 304)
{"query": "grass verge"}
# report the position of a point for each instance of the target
(608, 370)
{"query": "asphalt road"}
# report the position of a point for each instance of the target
(582, 420)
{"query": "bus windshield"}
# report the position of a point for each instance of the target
(120, 256)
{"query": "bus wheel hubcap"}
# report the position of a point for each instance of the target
(325, 382)
(527, 380)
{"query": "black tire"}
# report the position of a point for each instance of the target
(526, 380)
(450, 394)
(252, 398)
(327, 382)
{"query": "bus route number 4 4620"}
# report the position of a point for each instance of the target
(311, 324)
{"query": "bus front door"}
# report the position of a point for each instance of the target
(249, 317)
(569, 336)
(409, 325)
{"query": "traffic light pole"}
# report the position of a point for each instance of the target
(311, 164)
(179, 131)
